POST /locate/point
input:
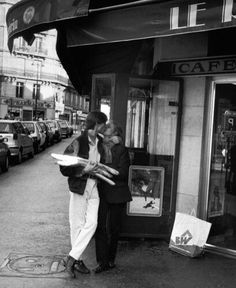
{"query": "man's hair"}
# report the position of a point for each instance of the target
(93, 118)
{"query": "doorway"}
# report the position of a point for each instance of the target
(221, 209)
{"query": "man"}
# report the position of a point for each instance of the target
(84, 199)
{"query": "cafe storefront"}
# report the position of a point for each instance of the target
(166, 71)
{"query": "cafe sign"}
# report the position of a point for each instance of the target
(207, 66)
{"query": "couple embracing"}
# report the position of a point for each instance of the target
(95, 206)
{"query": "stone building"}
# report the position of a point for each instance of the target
(33, 83)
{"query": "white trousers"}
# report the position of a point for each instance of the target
(83, 211)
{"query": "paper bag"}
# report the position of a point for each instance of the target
(189, 235)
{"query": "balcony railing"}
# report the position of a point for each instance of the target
(30, 50)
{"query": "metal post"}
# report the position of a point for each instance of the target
(37, 94)
(37, 91)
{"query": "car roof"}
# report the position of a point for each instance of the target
(9, 121)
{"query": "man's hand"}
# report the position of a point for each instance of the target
(91, 168)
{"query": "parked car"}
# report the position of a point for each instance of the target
(37, 134)
(4, 155)
(65, 131)
(56, 129)
(18, 139)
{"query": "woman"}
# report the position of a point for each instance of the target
(113, 199)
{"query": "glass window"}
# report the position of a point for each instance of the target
(136, 113)
(19, 89)
(36, 91)
(151, 127)
(30, 127)
(103, 89)
(6, 128)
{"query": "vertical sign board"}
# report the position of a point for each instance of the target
(230, 121)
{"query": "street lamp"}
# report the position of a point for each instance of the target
(37, 88)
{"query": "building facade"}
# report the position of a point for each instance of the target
(33, 83)
(169, 80)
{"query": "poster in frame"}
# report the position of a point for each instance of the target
(216, 201)
(146, 184)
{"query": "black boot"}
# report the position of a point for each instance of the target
(80, 267)
(69, 264)
(101, 268)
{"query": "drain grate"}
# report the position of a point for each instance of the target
(16, 264)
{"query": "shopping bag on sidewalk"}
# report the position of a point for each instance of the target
(189, 235)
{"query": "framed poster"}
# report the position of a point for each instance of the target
(216, 201)
(146, 184)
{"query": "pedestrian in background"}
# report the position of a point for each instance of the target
(84, 198)
(113, 199)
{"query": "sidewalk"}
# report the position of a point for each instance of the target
(35, 237)
(140, 264)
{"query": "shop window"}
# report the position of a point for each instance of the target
(151, 127)
(19, 89)
(135, 125)
(36, 91)
(103, 90)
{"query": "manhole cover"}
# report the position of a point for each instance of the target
(37, 265)
(32, 265)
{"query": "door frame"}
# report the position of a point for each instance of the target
(204, 180)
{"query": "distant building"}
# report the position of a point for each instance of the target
(33, 83)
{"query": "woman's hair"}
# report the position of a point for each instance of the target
(93, 118)
(116, 129)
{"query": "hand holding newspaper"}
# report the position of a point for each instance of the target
(97, 169)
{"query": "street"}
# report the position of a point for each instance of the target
(35, 236)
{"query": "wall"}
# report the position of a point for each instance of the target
(182, 47)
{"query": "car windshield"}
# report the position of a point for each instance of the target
(30, 127)
(6, 128)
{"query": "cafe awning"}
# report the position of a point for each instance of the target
(86, 23)
(92, 22)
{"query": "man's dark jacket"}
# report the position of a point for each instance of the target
(79, 147)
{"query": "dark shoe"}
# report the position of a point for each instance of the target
(111, 265)
(101, 268)
(69, 264)
(80, 267)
